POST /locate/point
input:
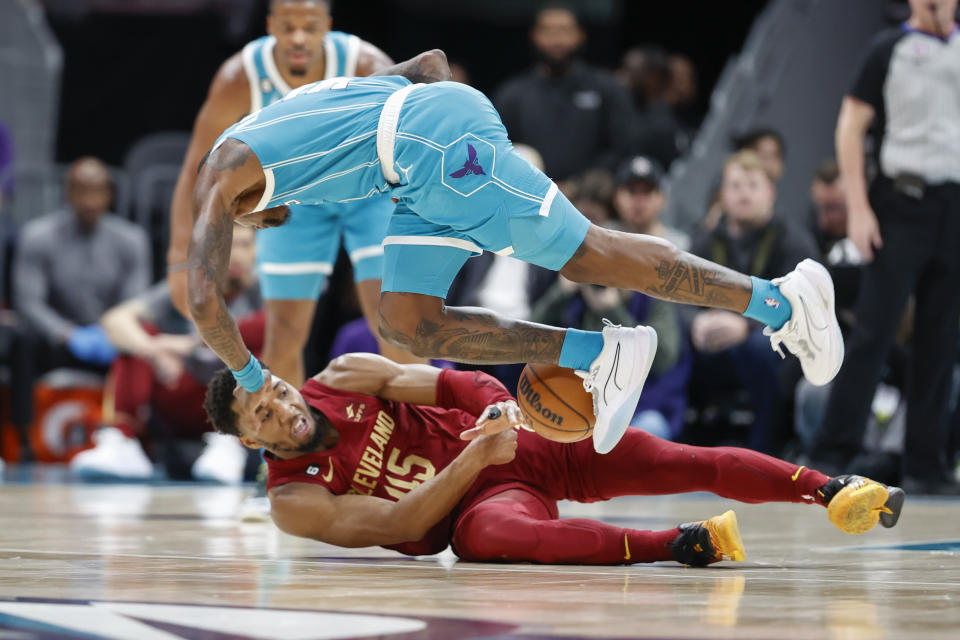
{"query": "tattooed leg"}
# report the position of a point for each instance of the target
(654, 266)
(424, 326)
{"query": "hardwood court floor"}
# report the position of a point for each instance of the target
(165, 562)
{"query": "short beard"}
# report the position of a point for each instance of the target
(298, 72)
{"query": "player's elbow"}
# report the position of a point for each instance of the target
(434, 65)
(202, 299)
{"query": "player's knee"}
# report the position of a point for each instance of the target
(487, 534)
(606, 250)
(400, 316)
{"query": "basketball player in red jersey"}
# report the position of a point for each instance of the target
(373, 453)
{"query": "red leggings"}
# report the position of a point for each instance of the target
(521, 525)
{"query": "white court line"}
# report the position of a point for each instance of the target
(691, 575)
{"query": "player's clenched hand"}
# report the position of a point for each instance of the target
(496, 418)
(497, 448)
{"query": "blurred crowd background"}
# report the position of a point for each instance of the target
(709, 124)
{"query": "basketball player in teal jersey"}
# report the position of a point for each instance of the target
(440, 150)
(294, 261)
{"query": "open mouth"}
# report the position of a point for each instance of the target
(301, 428)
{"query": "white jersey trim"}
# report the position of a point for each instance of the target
(271, 66)
(253, 78)
(267, 190)
(548, 200)
(433, 241)
(353, 54)
(366, 252)
(295, 268)
(330, 51)
(387, 131)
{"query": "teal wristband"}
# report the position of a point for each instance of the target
(251, 376)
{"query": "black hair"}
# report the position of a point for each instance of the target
(557, 5)
(218, 402)
(827, 171)
(327, 3)
(751, 137)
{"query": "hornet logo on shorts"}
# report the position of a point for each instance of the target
(772, 302)
(471, 166)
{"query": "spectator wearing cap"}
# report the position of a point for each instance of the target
(730, 352)
(577, 116)
(639, 199)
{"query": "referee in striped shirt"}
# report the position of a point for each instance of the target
(907, 226)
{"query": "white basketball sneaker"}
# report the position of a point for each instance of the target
(222, 460)
(812, 333)
(616, 379)
(114, 456)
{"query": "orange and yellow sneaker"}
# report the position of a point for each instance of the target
(708, 541)
(856, 504)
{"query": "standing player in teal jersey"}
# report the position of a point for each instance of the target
(441, 151)
(293, 262)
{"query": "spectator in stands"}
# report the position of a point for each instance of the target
(730, 351)
(585, 306)
(907, 227)
(683, 91)
(575, 115)
(639, 199)
(70, 267)
(656, 131)
(161, 375)
(592, 195)
(767, 143)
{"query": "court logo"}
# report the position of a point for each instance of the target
(471, 166)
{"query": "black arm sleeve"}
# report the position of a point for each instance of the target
(872, 72)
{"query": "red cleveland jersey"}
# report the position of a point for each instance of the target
(387, 448)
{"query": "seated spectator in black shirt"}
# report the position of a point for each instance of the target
(70, 267)
(578, 117)
(730, 351)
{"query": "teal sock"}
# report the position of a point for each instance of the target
(767, 304)
(580, 348)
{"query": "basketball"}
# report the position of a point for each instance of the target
(555, 403)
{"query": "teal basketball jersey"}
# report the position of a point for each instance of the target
(341, 51)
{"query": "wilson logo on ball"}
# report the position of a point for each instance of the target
(533, 401)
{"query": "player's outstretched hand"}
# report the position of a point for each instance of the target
(496, 418)
(497, 448)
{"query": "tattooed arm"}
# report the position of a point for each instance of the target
(429, 66)
(229, 184)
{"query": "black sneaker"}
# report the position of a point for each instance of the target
(708, 541)
(855, 504)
